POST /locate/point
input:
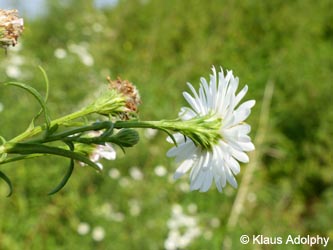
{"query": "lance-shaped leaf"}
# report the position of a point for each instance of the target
(38, 97)
(68, 174)
(32, 148)
(9, 183)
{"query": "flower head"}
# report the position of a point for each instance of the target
(11, 28)
(216, 101)
(121, 99)
(130, 93)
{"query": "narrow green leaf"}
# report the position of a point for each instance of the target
(9, 183)
(68, 174)
(47, 83)
(19, 158)
(38, 97)
(65, 179)
(32, 148)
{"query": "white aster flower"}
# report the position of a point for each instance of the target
(216, 99)
(98, 152)
(103, 151)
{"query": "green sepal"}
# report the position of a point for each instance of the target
(9, 183)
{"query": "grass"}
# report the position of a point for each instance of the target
(159, 46)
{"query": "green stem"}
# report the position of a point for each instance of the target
(36, 130)
(66, 134)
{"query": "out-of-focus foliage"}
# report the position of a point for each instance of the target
(159, 45)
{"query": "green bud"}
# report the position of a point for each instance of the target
(126, 137)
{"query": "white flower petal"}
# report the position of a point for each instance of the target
(233, 165)
(107, 152)
(183, 148)
(178, 137)
(239, 155)
(183, 168)
(230, 178)
(207, 181)
(247, 105)
(194, 104)
(241, 94)
(187, 113)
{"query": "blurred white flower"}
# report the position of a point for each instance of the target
(117, 216)
(1, 107)
(136, 173)
(97, 27)
(98, 233)
(184, 187)
(182, 229)
(192, 208)
(150, 133)
(134, 207)
(82, 52)
(83, 228)
(124, 182)
(16, 60)
(160, 171)
(60, 53)
(109, 212)
(218, 100)
(13, 66)
(215, 222)
(13, 71)
(114, 173)
(207, 235)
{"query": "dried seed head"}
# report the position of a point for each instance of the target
(129, 91)
(11, 27)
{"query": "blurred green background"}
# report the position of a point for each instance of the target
(160, 45)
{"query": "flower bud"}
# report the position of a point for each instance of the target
(126, 137)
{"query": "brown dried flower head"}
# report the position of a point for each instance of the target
(129, 91)
(11, 27)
